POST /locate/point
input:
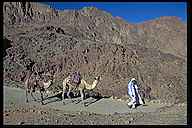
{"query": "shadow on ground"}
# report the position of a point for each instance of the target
(75, 98)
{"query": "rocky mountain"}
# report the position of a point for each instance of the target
(96, 43)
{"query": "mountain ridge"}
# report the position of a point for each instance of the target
(96, 43)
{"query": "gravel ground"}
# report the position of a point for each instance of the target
(105, 111)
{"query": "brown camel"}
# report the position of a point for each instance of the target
(32, 82)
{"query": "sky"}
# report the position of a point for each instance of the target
(132, 12)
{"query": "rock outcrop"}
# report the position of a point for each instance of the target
(96, 43)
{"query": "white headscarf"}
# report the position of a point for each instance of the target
(133, 79)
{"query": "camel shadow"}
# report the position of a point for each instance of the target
(58, 97)
(54, 98)
(95, 99)
(90, 101)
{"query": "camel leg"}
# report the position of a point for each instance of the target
(82, 96)
(26, 92)
(68, 93)
(63, 94)
(31, 92)
(46, 94)
(41, 97)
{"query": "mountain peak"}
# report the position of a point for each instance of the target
(89, 8)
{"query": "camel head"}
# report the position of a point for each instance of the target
(95, 82)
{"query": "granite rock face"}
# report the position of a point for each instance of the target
(96, 43)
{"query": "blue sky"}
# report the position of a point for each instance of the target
(132, 12)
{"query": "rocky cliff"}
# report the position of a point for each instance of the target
(96, 43)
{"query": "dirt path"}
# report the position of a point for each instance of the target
(102, 106)
(113, 111)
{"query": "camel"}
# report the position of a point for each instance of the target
(32, 83)
(81, 87)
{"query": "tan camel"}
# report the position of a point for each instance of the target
(81, 87)
(32, 83)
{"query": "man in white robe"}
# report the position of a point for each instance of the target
(134, 93)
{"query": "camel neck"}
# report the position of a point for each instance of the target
(94, 84)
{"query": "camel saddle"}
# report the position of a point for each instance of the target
(75, 79)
